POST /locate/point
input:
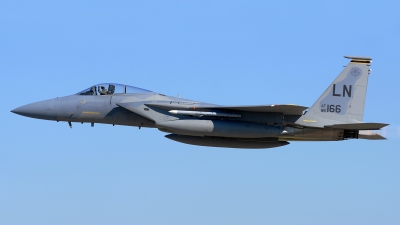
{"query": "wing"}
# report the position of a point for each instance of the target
(286, 109)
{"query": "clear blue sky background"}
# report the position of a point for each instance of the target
(224, 52)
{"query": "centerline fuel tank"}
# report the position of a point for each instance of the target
(219, 128)
(226, 142)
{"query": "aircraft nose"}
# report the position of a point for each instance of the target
(38, 110)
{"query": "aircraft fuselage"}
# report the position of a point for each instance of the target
(336, 115)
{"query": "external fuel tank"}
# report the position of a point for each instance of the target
(219, 128)
(226, 142)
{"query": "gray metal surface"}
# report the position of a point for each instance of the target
(343, 101)
(219, 128)
(336, 115)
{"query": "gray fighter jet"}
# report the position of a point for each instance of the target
(336, 115)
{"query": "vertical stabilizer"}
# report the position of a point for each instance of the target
(343, 101)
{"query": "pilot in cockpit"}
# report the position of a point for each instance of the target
(102, 90)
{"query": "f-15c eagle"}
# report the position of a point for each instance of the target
(336, 115)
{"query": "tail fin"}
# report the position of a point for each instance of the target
(343, 101)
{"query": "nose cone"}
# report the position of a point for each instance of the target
(39, 110)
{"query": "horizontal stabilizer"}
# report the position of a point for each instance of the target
(369, 135)
(358, 126)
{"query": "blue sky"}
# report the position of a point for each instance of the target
(223, 52)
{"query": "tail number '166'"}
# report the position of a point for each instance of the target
(330, 108)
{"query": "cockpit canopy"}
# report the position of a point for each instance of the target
(111, 89)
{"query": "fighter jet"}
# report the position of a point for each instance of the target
(336, 115)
